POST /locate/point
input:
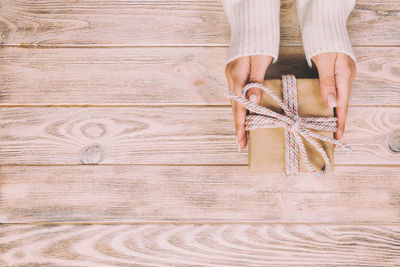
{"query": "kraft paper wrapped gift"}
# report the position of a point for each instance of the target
(266, 146)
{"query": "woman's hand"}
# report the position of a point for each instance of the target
(336, 74)
(238, 73)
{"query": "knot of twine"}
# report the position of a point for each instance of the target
(293, 124)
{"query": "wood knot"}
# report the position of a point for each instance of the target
(91, 155)
(393, 141)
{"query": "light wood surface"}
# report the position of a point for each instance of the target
(164, 135)
(118, 148)
(166, 75)
(197, 244)
(146, 23)
(128, 193)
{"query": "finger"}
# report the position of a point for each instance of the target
(228, 75)
(326, 71)
(341, 114)
(239, 114)
(258, 68)
(239, 74)
(238, 117)
(345, 72)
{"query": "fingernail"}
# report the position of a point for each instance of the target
(253, 98)
(331, 100)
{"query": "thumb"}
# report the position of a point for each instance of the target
(258, 68)
(327, 80)
(254, 94)
(327, 87)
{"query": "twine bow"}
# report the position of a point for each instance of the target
(293, 124)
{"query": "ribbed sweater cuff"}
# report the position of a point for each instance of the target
(254, 28)
(323, 26)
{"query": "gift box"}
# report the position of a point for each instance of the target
(291, 129)
(266, 146)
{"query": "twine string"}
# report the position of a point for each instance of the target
(295, 126)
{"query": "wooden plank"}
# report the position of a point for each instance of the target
(190, 22)
(163, 135)
(200, 245)
(134, 193)
(165, 75)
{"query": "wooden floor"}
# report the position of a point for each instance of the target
(118, 147)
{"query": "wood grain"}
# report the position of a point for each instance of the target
(165, 75)
(146, 23)
(199, 245)
(137, 193)
(163, 135)
(147, 173)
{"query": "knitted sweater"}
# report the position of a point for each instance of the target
(255, 28)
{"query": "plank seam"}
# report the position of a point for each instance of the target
(155, 46)
(193, 165)
(166, 105)
(199, 222)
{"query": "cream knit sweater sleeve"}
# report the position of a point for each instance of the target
(323, 26)
(255, 27)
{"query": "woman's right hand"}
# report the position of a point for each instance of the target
(239, 72)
